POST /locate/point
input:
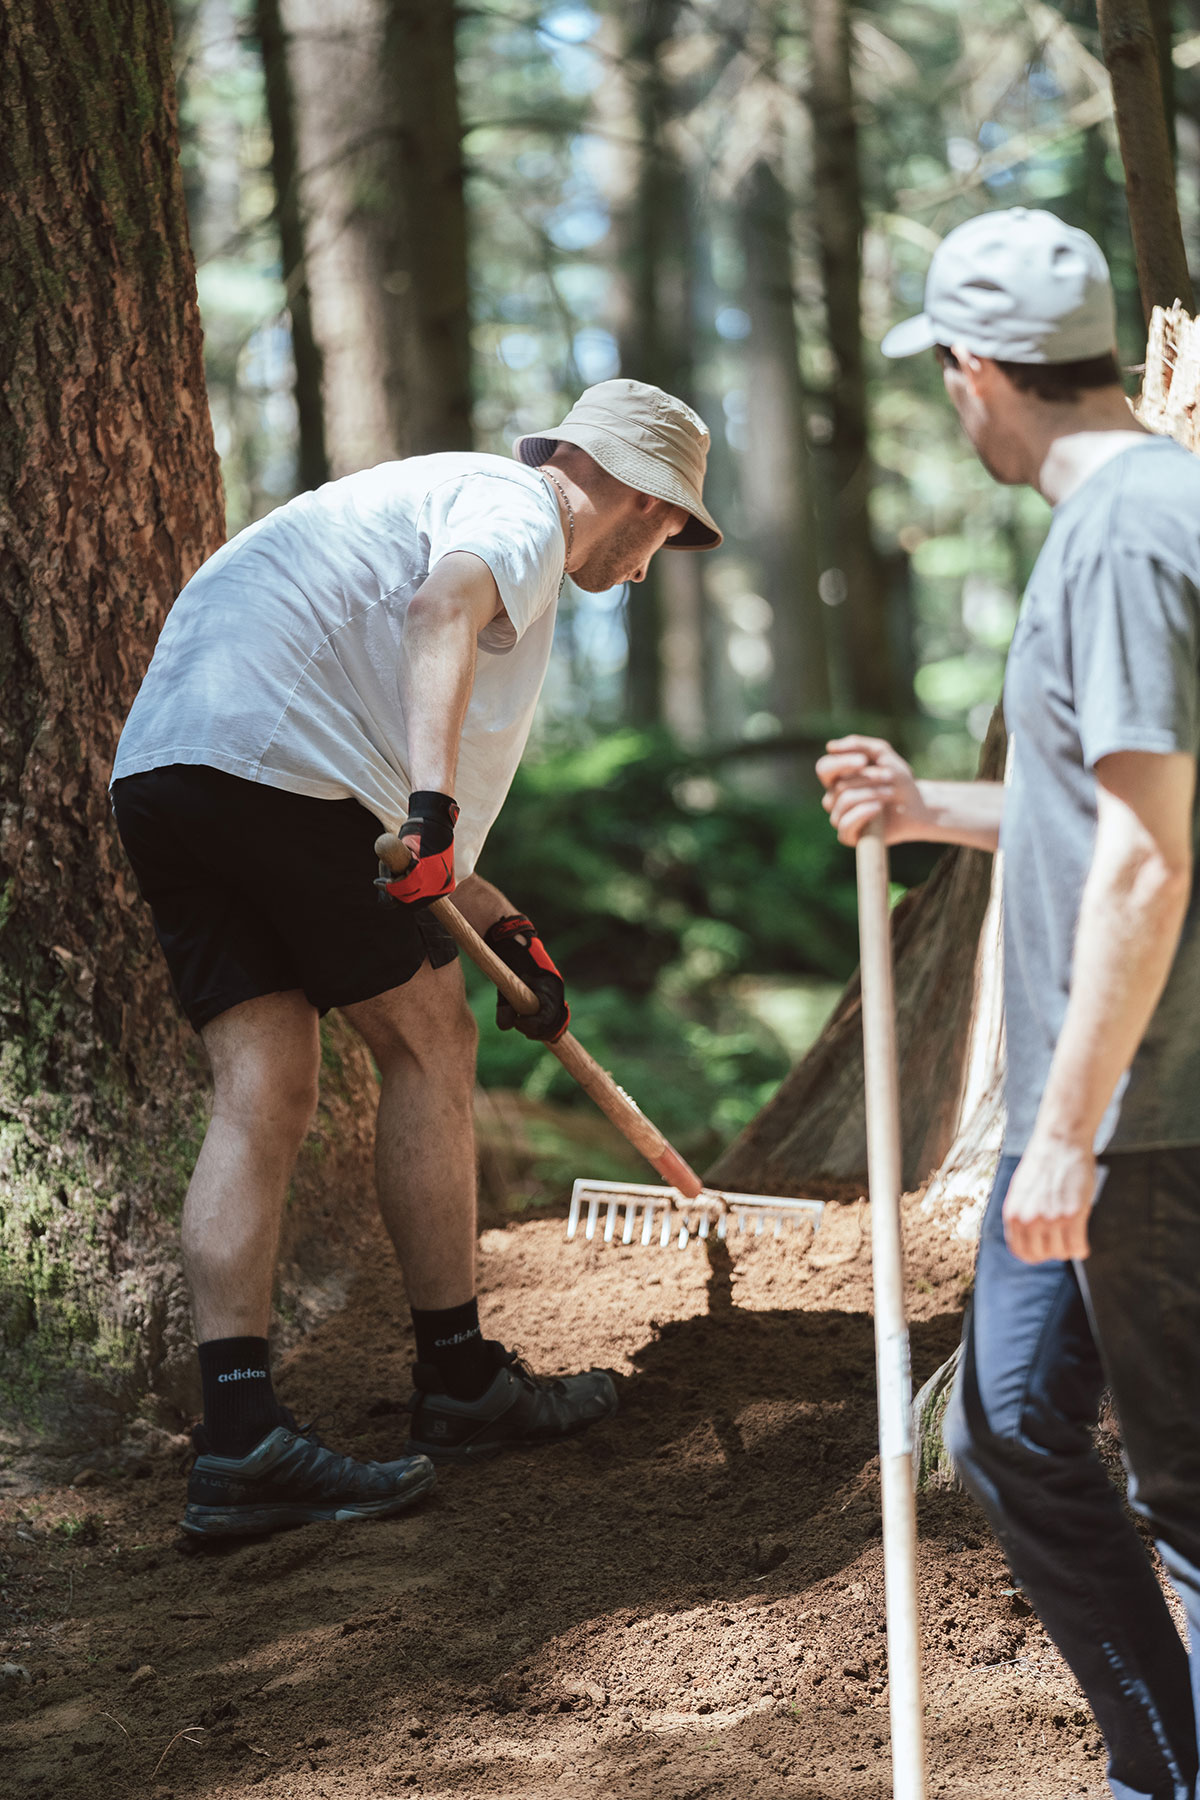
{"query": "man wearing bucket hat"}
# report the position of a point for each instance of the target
(369, 655)
(1089, 1260)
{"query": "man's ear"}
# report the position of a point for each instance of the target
(979, 372)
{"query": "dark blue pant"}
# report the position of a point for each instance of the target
(1040, 1344)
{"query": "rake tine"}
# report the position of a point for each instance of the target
(654, 1215)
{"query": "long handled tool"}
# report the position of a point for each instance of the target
(683, 1209)
(893, 1371)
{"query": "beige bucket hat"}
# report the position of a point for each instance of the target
(648, 439)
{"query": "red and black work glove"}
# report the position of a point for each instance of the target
(428, 832)
(516, 942)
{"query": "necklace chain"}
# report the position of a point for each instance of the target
(562, 492)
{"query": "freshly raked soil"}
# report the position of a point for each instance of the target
(686, 1601)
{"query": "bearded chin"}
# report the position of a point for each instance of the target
(591, 581)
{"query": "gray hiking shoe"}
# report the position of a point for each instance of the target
(292, 1478)
(518, 1409)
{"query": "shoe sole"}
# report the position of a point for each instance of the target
(282, 1515)
(468, 1453)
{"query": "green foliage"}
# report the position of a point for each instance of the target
(63, 1210)
(79, 1531)
(639, 858)
(673, 903)
(701, 1069)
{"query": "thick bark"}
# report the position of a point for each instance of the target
(777, 460)
(312, 460)
(1130, 48)
(384, 222)
(1170, 398)
(110, 497)
(814, 1130)
(838, 218)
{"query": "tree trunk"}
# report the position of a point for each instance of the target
(384, 222)
(312, 460)
(857, 585)
(777, 461)
(814, 1130)
(1169, 402)
(109, 498)
(651, 203)
(1130, 48)
(1164, 44)
(424, 253)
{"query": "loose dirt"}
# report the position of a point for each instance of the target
(686, 1601)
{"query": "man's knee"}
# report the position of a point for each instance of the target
(274, 1102)
(265, 1067)
(425, 1025)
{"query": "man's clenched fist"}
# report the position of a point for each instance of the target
(428, 832)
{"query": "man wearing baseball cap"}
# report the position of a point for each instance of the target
(370, 655)
(1089, 1260)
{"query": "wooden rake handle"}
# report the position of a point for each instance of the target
(891, 1328)
(596, 1082)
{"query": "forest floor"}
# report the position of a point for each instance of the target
(686, 1601)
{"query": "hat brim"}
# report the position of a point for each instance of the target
(911, 337)
(637, 470)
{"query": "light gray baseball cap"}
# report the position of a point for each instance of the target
(1017, 286)
(646, 438)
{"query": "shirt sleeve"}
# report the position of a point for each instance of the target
(1135, 655)
(511, 528)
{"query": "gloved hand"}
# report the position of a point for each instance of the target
(428, 832)
(516, 942)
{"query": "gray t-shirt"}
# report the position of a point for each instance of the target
(1105, 657)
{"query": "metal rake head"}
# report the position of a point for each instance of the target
(630, 1212)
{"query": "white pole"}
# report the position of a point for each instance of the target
(892, 1368)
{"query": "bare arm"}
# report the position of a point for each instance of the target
(437, 671)
(1132, 912)
(481, 904)
(865, 777)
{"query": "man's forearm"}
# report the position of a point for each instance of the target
(960, 812)
(481, 904)
(1130, 920)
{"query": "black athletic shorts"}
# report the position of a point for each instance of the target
(256, 891)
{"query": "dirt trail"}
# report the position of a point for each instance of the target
(685, 1602)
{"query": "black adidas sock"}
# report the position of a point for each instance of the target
(451, 1342)
(239, 1402)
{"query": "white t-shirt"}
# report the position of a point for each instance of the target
(280, 660)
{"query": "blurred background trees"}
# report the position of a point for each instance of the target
(424, 226)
